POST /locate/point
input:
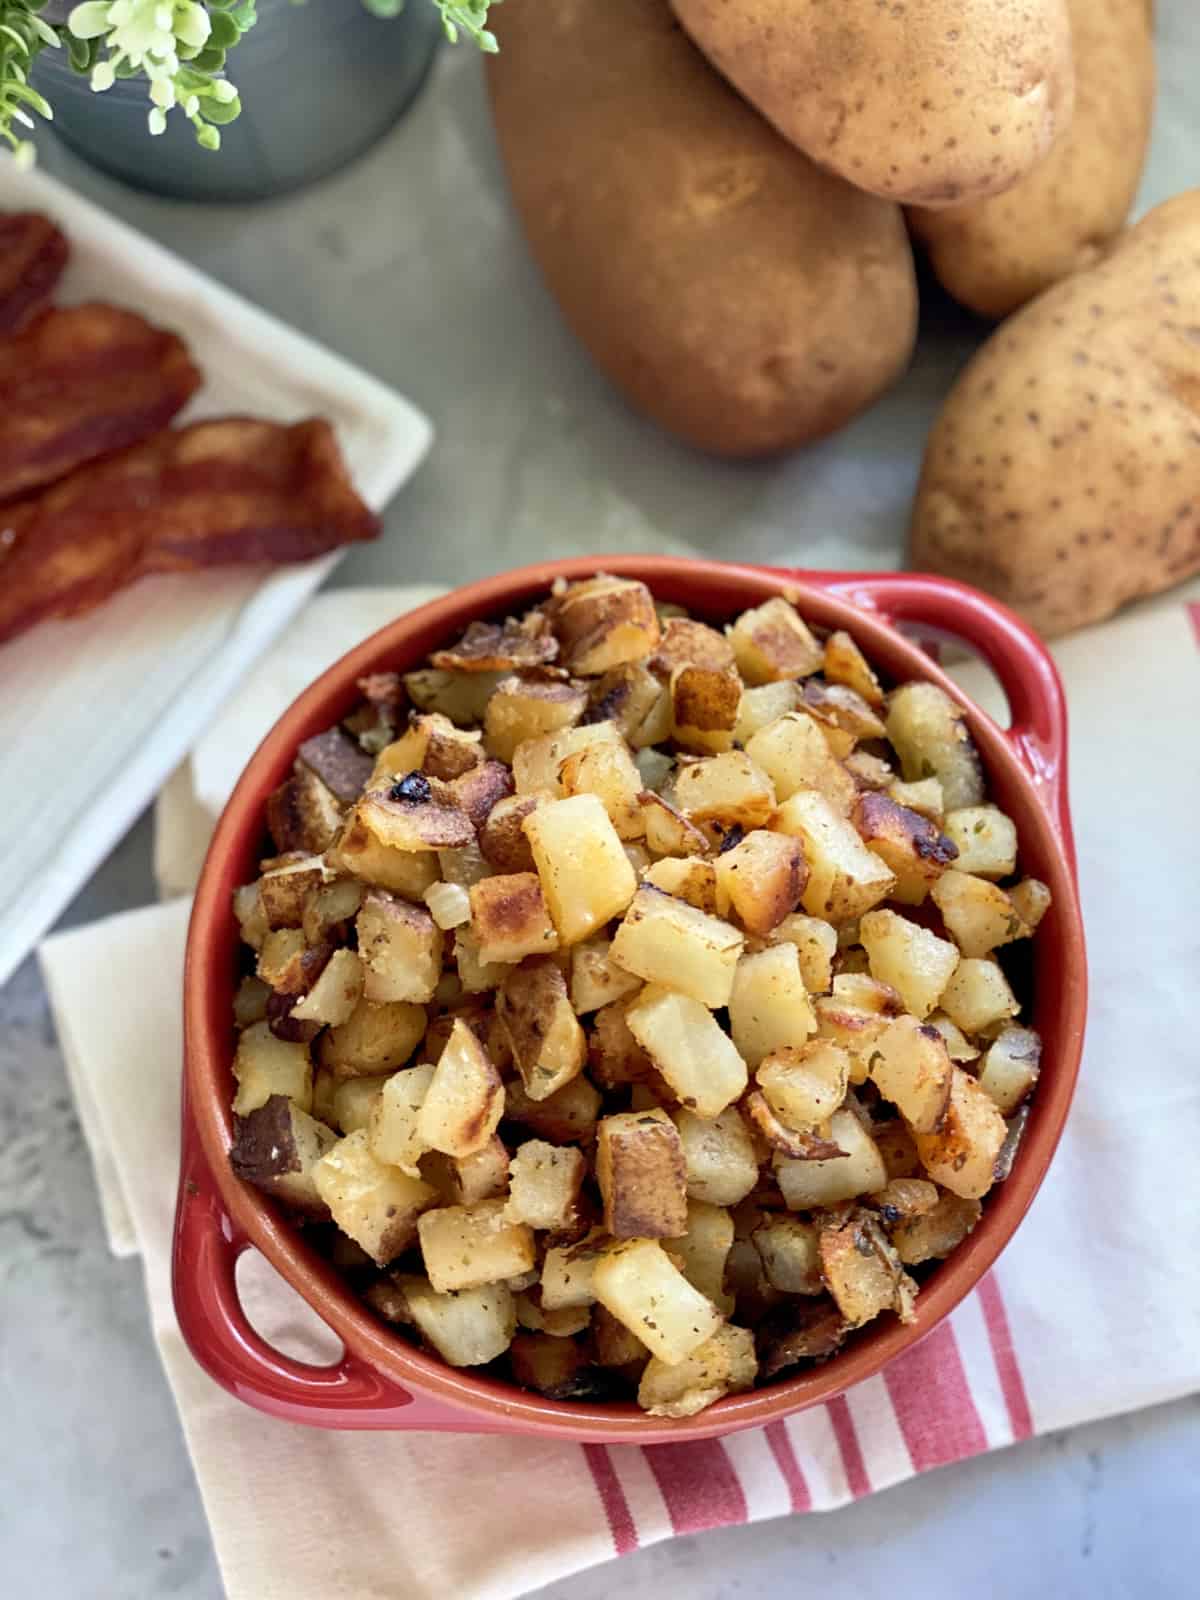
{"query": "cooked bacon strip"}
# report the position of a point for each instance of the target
(233, 491)
(33, 253)
(81, 382)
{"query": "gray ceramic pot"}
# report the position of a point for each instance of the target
(320, 82)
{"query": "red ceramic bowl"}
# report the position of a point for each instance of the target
(384, 1382)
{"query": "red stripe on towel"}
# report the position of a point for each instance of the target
(933, 1402)
(1004, 1354)
(612, 1498)
(1193, 610)
(789, 1468)
(698, 1484)
(855, 1469)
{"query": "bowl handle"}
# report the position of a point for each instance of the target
(1025, 668)
(345, 1394)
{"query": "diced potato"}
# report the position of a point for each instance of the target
(614, 1055)
(303, 814)
(1030, 900)
(499, 646)
(607, 771)
(529, 708)
(401, 949)
(586, 877)
(762, 879)
(334, 997)
(596, 980)
(465, 1098)
(686, 642)
(728, 789)
(962, 1153)
(276, 1148)
(854, 1027)
(863, 1272)
(845, 663)
(771, 642)
(805, 1086)
(687, 878)
(794, 752)
(642, 1176)
(264, 1066)
(461, 696)
(705, 702)
(284, 891)
(636, 701)
(986, 840)
(668, 832)
(845, 717)
(552, 1366)
(664, 940)
(547, 1042)
(544, 1184)
(816, 946)
(957, 1044)
(702, 1251)
(911, 1068)
(604, 623)
(502, 840)
(769, 1008)
(978, 995)
(690, 1048)
(924, 797)
(895, 1145)
(909, 958)
(286, 963)
(252, 923)
(404, 872)
(719, 1155)
(509, 919)
(376, 1205)
(934, 1234)
(561, 1324)
(449, 751)
(566, 1117)
(463, 1180)
(1010, 1068)
(906, 842)
(800, 1144)
(250, 1002)
(724, 1364)
(414, 815)
(468, 1328)
(845, 878)
(466, 1246)
(614, 1345)
(537, 763)
(869, 772)
(789, 1249)
(476, 975)
(353, 1100)
(799, 1330)
(764, 705)
(392, 1125)
(568, 1272)
(637, 1281)
(481, 789)
(978, 914)
(931, 737)
(374, 1038)
(805, 1184)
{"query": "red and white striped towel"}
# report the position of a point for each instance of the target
(1093, 1309)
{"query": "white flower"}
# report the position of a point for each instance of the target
(146, 35)
(103, 76)
(158, 120)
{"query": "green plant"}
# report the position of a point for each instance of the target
(178, 46)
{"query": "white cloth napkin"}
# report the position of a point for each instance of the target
(1094, 1308)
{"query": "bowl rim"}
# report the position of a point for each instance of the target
(828, 600)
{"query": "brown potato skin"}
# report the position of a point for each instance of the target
(738, 295)
(1063, 473)
(995, 254)
(931, 102)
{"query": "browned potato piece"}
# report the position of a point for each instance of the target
(479, 789)
(614, 1345)
(548, 1045)
(762, 878)
(811, 1330)
(790, 1253)
(376, 1206)
(596, 980)
(909, 958)
(463, 1180)
(845, 663)
(704, 707)
(339, 761)
(333, 998)
(405, 872)
(554, 1367)
(642, 1177)
(302, 814)
(899, 1153)
(465, 1098)
(499, 646)
(687, 878)
(529, 708)
(637, 1281)
(502, 838)
(603, 622)
(544, 1184)
(728, 789)
(464, 1247)
(961, 1154)
(934, 1234)
(816, 946)
(689, 1047)
(863, 1272)
(986, 840)
(805, 1085)
(468, 1328)
(461, 696)
(449, 751)
(568, 1272)
(912, 846)
(614, 1055)
(509, 919)
(401, 949)
(844, 716)
(635, 701)
(537, 763)
(287, 964)
(868, 772)
(566, 1117)
(284, 891)
(855, 1017)
(806, 1184)
(264, 1066)
(607, 771)
(668, 833)
(1031, 901)
(586, 876)
(797, 1144)
(1010, 1068)
(329, 911)
(247, 909)
(373, 1039)
(978, 995)
(411, 815)
(772, 642)
(978, 914)
(929, 733)
(845, 878)
(724, 1364)
(901, 1199)
(276, 1148)
(664, 940)
(688, 643)
(910, 1067)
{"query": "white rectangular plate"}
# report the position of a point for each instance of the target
(95, 713)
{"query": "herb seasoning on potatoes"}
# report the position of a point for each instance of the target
(625, 992)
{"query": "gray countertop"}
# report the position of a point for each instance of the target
(410, 265)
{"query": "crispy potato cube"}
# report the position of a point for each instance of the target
(687, 878)
(930, 735)
(480, 789)
(635, 700)
(377, 1206)
(1010, 1068)
(689, 1047)
(769, 1008)
(762, 706)
(790, 1253)
(771, 642)
(805, 1086)
(863, 1272)
(724, 1364)
(465, 1098)
(286, 963)
(303, 814)
(405, 872)
(705, 702)
(962, 1153)
(548, 1044)
(642, 1176)
(986, 840)
(687, 643)
(719, 1155)
(934, 1234)
(466, 1246)
(703, 1249)
(855, 1027)
(566, 1117)
(332, 1000)
(529, 708)
(977, 913)
(500, 646)
(794, 753)
(476, 975)
(800, 1144)
(333, 906)
(265, 1066)
(668, 832)
(762, 878)
(805, 1184)
(614, 1345)
(638, 1282)
(537, 763)
(449, 751)
(923, 797)
(845, 717)
(551, 1366)
(596, 980)
(1030, 900)
(604, 623)
(614, 1055)
(586, 877)
(870, 773)
(353, 1099)
(895, 1145)
(502, 840)
(276, 1148)
(729, 789)
(845, 663)
(468, 1328)
(509, 919)
(460, 696)
(911, 1068)
(392, 1124)
(906, 842)
(374, 1038)
(401, 949)
(958, 1046)
(978, 995)
(909, 958)
(544, 1184)
(816, 946)
(408, 816)
(568, 1272)
(664, 940)
(607, 770)
(284, 891)
(462, 1180)
(845, 878)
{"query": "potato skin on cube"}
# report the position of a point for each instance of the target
(604, 623)
(276, 1147)
(642, 1175)
(845, 878)
(547, 1042)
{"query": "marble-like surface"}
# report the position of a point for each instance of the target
(409, 264)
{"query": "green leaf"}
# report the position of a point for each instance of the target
(211, 59)
(126, 69)
(384, 8)
(79, 52)
(225, 31)
(215, 111)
